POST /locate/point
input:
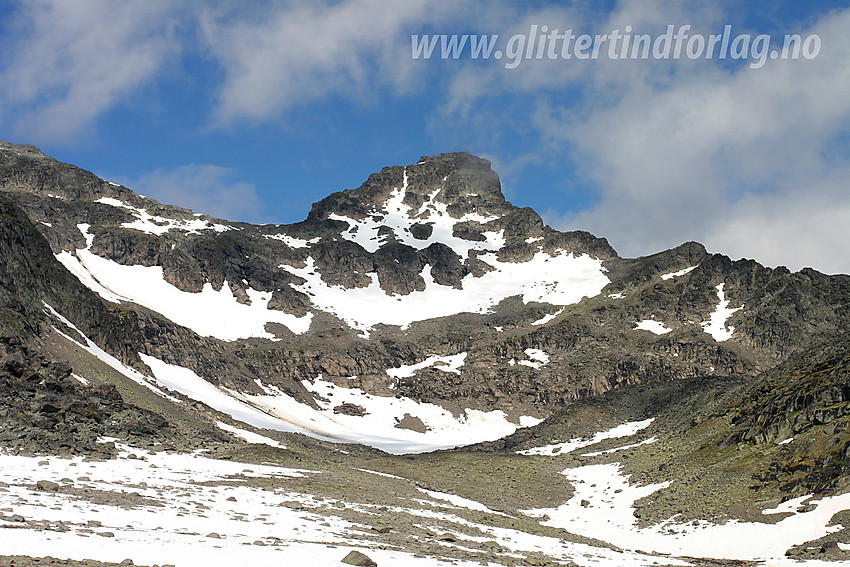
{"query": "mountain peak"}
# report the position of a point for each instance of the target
(461, 183)
(20, 148)
(27, 168)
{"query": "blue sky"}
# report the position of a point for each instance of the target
(255, 113)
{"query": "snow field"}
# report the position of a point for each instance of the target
(277, 411)
(377, 427)
(562, 279)
(189, 510)
(603, 503)
(186, 508)
(209, 313)
(169, 516)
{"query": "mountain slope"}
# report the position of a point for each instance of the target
(420, 304)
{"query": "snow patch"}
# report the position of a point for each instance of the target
(377, 427)
(672, 275)
(445, 363)
(537, 356)
(652, 326)
(291, 241)
(787, 507)
(250, 436)
(623, 448)
(154, 224)
(186, 382)
(72, 263)
(92, 348)
(716, 324)
(623, 430)
(383, 474)
(84, 229)
(461, 502)
(80, 379)
(546, 318)
(529, 421)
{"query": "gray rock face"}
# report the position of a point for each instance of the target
(43, 409)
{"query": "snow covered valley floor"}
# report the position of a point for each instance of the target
(186, 509)
(255, 504)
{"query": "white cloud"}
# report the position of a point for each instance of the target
(305, 52)
(739, 159)
(806, 228)
(65, 63)
(202, 188)
(474, 82)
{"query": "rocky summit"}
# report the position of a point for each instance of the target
(417, 373)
